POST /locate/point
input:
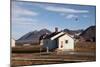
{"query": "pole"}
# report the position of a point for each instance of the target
(40, 51)
(47, 50)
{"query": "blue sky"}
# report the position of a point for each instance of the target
(30, 16)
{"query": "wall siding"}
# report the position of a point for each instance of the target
(13, 43)
(69, 45)
(51, 44)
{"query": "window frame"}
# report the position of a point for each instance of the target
(66, 41)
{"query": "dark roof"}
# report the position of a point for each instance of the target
(51, 35)
(47, 36)
(42, 36)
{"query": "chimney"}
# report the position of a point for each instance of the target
(56, 29)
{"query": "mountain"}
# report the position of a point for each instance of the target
(89, 33)
(32, 37)
(73, 32)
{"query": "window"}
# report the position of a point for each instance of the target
(66, 41)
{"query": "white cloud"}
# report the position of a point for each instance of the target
(18, 10)
(71, 16)
(24, 22)
(65, 10)
(22, 11)
(63, 14)
(26, 12)
(18, 22)
(20, 15)
(24, 19)
(55, 8)
(85, 16)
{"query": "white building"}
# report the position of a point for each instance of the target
(58, 40)
(66, 42)
(12, 43)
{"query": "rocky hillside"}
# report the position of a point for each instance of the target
(89, 33)
(32, 37)
(73, 32)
